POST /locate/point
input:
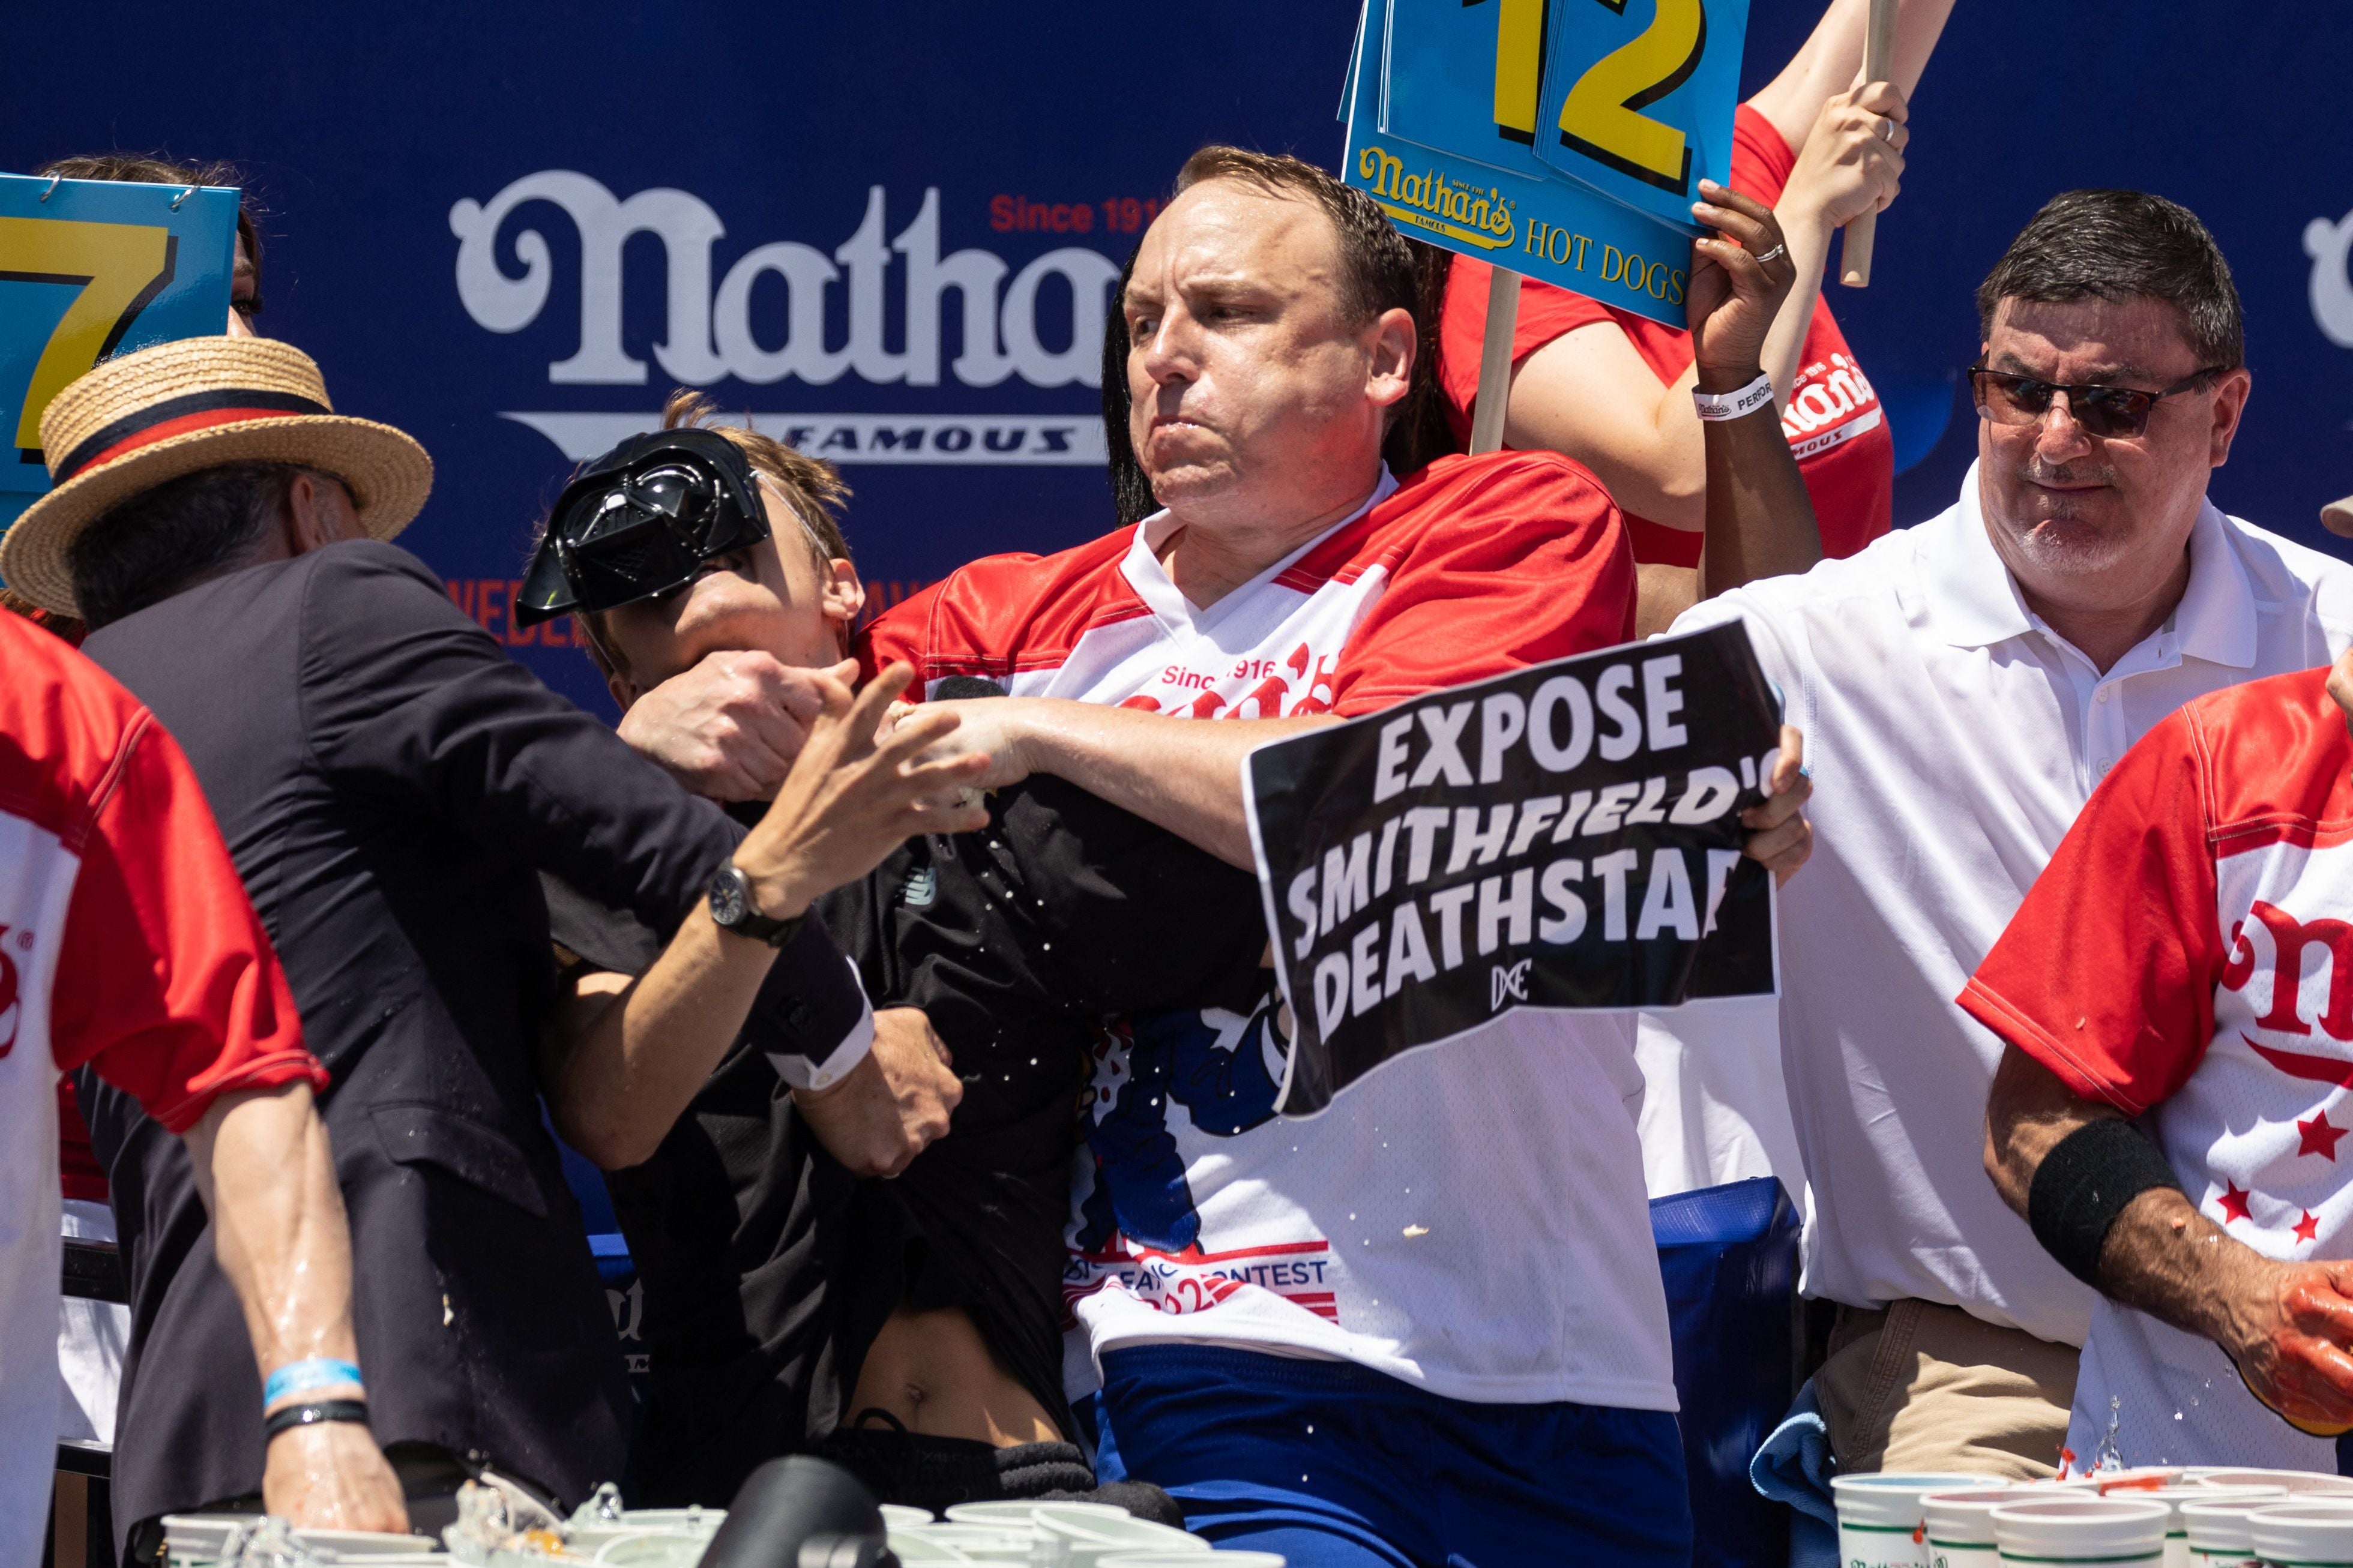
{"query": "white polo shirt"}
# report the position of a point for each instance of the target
(1952, 738)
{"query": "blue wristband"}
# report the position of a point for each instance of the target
(302, 1376)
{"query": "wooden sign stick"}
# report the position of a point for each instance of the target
(1495, 361)
(1878, 44)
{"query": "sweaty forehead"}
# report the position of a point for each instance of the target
(2092, 340)
(1230, 231)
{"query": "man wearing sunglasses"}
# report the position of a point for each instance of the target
(1963, 686)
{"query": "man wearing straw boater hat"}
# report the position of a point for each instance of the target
(390, 786)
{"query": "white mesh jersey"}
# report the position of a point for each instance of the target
(2187, 959)
(1471, 1217)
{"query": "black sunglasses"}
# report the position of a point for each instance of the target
(2102, 411)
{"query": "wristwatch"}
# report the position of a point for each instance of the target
(732, 909)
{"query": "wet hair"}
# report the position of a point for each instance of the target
(1381, 270)
(164, 540)
(2124, 245)
(143, 169)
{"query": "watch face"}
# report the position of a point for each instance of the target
(727, 897)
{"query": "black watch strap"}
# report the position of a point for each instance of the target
(732, 909)
(311, 1415)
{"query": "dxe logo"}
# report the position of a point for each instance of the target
(1507, 985)
(762, 335)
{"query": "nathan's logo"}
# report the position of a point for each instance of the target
(2327, 241)
(766, 320)
(1426, 200)
(2290, 940)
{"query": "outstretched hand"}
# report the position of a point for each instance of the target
(855, 794)
(1739, 276)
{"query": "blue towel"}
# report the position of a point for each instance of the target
(1795, 1467)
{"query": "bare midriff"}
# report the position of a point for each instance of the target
(935, 1373)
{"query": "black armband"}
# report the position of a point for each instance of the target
(2085, 1183)
(311, 1415)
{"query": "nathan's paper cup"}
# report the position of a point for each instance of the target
(2296, 1483)
(2218, 1534)
(2177, 1530)
(2117, 1531)
(1960, 1528)
(1881, 1522)
(2313, 1533)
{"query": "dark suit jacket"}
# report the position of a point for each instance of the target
(390, 785)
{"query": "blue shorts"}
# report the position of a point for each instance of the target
(1337, 1466)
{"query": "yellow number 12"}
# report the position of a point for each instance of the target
(1600, 116)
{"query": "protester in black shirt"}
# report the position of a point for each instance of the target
(390, 785)
(911, 1328)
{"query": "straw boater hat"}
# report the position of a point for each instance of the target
(197, 402)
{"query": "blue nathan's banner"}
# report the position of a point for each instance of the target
(1562, 139)
(888, 231)
(91, 269)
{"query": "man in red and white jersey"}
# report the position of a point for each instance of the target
(1444, 1289)
(127, 942)
(2175, 998)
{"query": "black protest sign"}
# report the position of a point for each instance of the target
(1564, 837)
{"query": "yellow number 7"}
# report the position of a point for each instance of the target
(1600, 116)
(119, 268)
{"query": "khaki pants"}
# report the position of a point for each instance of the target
(1918, 1386)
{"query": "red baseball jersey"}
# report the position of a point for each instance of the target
(1831, 417)
(2186, 959)
(126, 942)
(1468, 568)
(1514, 1262)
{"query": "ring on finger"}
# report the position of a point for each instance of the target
(1773, 255)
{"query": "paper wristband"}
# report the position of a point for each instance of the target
(1713, 406)
(302, 1376)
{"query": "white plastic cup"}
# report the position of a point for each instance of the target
(2296, 1483)
(2218, 1533)
(2313, 1534)
(1881, 1522)
(1960, 1531)
(2177, 1530)
(2115, 1532)
(1002, 1512)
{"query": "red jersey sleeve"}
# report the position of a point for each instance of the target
(2106, 974)
(1505, 560)
(166, 981)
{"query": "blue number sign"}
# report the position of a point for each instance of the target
(91, 269)
(1562, 139)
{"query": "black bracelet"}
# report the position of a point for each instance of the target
(2085, 1183)
(311, 1414)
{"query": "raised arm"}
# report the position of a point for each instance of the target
(1830, 62)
